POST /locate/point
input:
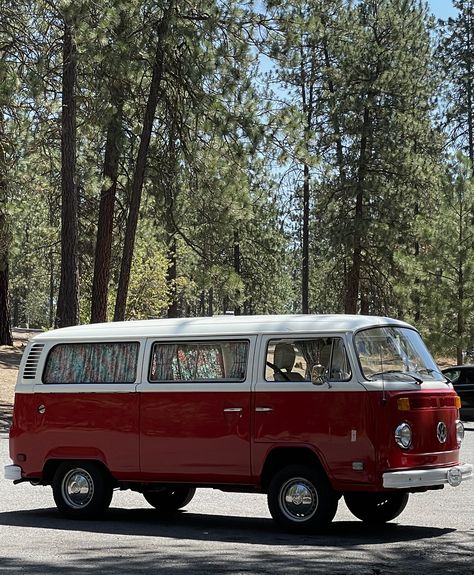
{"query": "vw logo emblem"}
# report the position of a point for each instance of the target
(442, 432)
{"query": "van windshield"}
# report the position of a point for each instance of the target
(395, 353)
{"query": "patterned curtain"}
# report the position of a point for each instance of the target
(198, 361)
(92, 363)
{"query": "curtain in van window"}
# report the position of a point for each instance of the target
(238, 352)
(92, 363)
(199, 361)
(186, 362)
(162, 360)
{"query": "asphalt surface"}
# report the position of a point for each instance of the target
(232, 534)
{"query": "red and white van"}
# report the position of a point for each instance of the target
(304, 408)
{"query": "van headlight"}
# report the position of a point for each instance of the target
(403, 435)
(459, 431)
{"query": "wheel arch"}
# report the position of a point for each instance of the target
(280, 457)
(52, 465)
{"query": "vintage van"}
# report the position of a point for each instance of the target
(303, 408)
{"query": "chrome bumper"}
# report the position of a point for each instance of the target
(12, 472)
(414, 478)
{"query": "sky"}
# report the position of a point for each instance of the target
(442, 9)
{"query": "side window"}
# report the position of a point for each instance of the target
(92, 363)
(224, 361)
(454, 375)
(294, 360)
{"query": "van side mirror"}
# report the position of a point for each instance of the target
(319, 375)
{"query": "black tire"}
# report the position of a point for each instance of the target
(301, 499)
(81, 489)
(376, 508)
(169, 499)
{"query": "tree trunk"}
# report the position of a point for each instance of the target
(307, 92)
(305, 262)
(103, 248)
(470, 120)
(460, 328)
(67, 312)
(5, 327)
(336, 126)
(210, 311)
(139, 173)
(353, 276)
(237, 268)
(171, 276)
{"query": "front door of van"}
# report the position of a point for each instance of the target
(195, 410)
(307, 397)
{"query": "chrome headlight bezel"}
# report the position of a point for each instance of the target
(404, 435)
(459, 431)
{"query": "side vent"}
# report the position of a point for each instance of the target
(31, 364)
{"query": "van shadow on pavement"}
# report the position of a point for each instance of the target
(195, 526)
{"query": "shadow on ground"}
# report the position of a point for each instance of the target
(10, 359)
(195, 526)
(144, 542)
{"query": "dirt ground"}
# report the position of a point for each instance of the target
(10, 358)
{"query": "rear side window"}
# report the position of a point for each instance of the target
(92, 363)
(211, 361)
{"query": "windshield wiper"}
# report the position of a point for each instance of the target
(418, 380)
(430, 371)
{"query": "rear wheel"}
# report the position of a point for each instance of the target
(81, 490)
(169, 499)
(301, 499)
(376, 508)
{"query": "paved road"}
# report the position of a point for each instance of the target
(232, 534)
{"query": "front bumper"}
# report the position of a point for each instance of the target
(414, 478)
(12, 472)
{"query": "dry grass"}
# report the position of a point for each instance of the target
(9, 361)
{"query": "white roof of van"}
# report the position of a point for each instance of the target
(219, 325)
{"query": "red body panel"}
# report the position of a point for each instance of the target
(338, 427)
(427, 409)
(100, 426)
(193, 437)
(189, 436)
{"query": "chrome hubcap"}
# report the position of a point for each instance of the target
(298, 499)
(77, 488)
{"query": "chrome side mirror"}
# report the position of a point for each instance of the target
(319, 375)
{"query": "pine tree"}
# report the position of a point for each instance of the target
(67, 311)
(457, 58)
(379, 68)
(448, 263)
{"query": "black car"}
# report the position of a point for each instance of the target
(462, 378)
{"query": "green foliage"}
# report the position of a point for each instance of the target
(447, 263)
(456, 60)
(148, 291)
(346, 92)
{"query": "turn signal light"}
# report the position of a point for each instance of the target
(403, 404)
(457, 399)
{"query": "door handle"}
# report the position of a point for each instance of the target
(233, 410)
(263, 409)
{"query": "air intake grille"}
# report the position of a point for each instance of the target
(32, 361)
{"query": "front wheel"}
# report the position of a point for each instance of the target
(81, 490)
(169, 499)
(301, 499)
(376, 508)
